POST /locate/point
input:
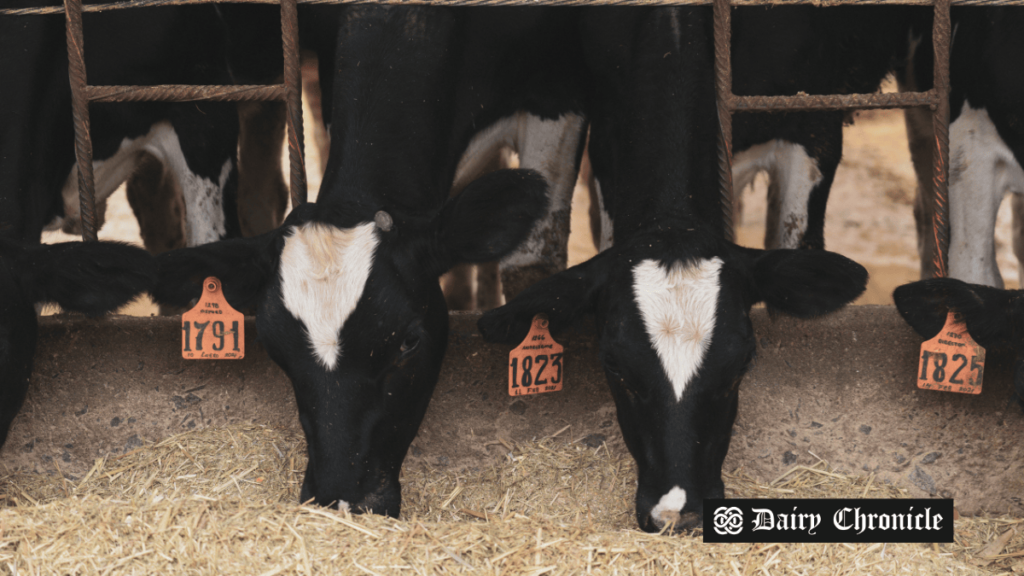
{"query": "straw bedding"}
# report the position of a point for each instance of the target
(223, 501)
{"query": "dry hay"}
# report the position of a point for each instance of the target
(223, 501)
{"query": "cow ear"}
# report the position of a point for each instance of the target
(806, 283)
(563, 297)
(244, 266)
(490, 218)
(988, 312)
(88, 277)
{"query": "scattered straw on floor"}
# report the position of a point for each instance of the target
(223, 501)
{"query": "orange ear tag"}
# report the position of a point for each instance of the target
(535, 366)
(951, 361)
(213, 330)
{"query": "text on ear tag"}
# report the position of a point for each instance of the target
(213, 330)
(535, 366)
(951, 361)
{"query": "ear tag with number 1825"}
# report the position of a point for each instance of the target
(951, 361)
(535, 366)
(213, 330)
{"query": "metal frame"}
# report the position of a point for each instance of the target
(290, 92)
(82, 94)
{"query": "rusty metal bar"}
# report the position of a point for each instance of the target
(723, 89)
(82, 94)
(293, 99)
(152, 3)
(829, 101)
(940, 126)
(184, 93)
(80, 114)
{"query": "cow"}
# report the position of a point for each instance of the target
(986, 140)
(346, 291)
(179, 160)
(805, 49)
(992, 315)
(92, 278)
(671, 297)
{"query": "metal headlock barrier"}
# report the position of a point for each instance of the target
(937, 99)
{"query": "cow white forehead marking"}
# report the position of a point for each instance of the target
(678, 310)
(668, 507)
(323, 272)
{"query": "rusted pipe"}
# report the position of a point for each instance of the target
(80, 113)
(940, 127)
(830, 101)
(723, 89)
(293, 99)
(184, 93)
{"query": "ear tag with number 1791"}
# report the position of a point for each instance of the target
(535, 366)
(213, 330)
(951, 361)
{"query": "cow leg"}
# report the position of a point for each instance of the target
(981, 170)
(202, 163)
(920, 138)
(1017, 207)
(552, 148)
(312, 94)
(800, 178)
(157, 205)
(486, 153)
(262, 194)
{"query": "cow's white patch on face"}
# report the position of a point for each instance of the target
(343, 506)
(794, 174)
(204, 199)
(323, 273)
(668, 507)
(982, 169)
(678, 309)
(607, 227)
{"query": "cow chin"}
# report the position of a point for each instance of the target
(676, 509)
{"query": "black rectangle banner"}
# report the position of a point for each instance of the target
(828, 520)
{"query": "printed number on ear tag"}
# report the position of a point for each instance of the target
(213, 330)
(951, 361)
(536, 365)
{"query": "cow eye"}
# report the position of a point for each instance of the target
(612, 365)
(410, 343)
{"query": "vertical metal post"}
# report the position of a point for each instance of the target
(940, 128)
(293, 98)
(80, 112)
(723, 86)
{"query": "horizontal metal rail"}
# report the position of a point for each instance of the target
(151, 3)
(937, 99)
(82, 94)
(186, 93)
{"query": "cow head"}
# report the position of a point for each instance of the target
(348, 304)
(992, 315)
(675, 338)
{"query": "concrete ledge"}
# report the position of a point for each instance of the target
(840, 387)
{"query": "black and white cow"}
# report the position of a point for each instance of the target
(93, 278)
(993, 316)
(785, 50)
(671, 298)
(180, 159)
(346, 290)
(986, 140)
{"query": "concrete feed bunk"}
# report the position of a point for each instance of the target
(839, 388)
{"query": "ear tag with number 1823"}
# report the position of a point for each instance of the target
(213, 330)
(951, 361)
(535, 366)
